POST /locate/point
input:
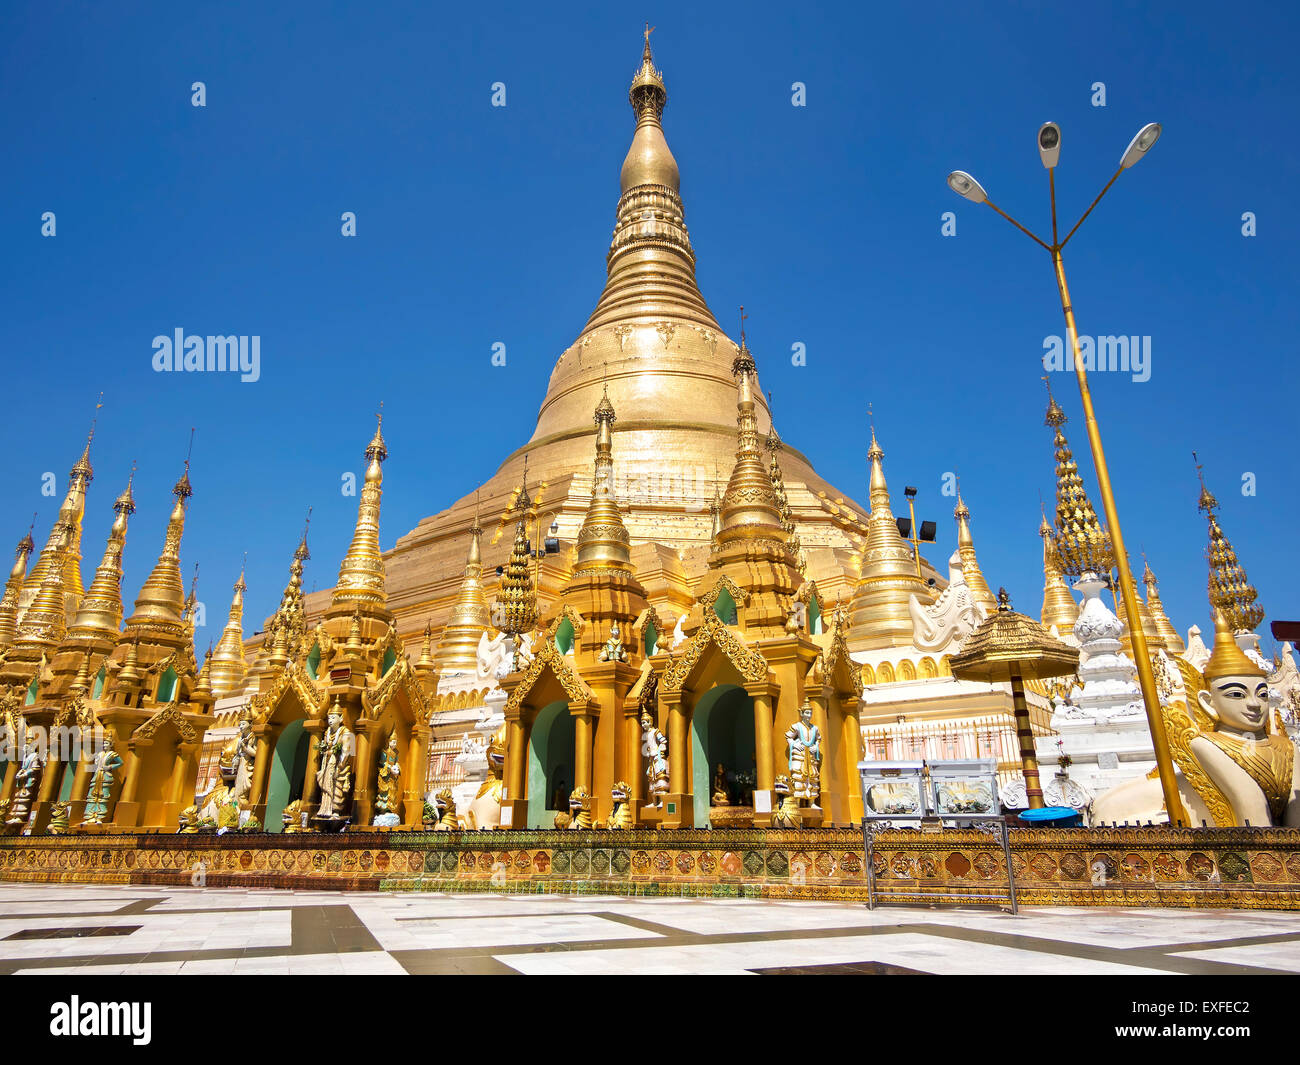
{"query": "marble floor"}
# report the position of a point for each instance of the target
(117, 929)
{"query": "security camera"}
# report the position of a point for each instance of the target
(1049, 144)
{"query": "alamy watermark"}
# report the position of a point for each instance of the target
(1116, 354)
(179, 353)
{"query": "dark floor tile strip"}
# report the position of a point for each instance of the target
(436, 963)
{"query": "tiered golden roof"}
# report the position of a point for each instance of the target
(361, 573)
(43, 625)
(469, 620)
(1169, 635)
(226, 667)
(1230, 591)
(970, 567)
(603, 539)
(99, 617)
(63, 548)
(1007, 643)
(1082, 545)
(516, 594)
(750, 510)
(1059, 607)
(13, 587)
(879, 613)
(161, 602)
(774, 447)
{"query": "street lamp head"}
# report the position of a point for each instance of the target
(1138, 146)
(1049, 144)
(964, 185)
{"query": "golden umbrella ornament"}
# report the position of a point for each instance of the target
(1012, 647)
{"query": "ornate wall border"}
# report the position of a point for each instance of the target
(1240, 868)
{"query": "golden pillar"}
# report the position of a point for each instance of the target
(1025, 734)
(763, 752)
(261, 762)
(582, 737)
(313, 729)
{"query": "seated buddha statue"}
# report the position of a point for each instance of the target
(1233, 765)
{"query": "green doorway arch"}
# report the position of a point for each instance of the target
(550, 763)
(722, 730)
(288, 764)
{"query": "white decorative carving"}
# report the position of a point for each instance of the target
(943, 627)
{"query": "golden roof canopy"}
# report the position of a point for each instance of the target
(361, 574)
(1008, 644)
(1059, 607)
(970, 567)
(226, 666)
(1082, 545)
(469, 620)
(1230, 590)
(1172, 641)
(99, 616)
(161, 602)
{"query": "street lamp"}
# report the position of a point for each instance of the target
(1049, 149)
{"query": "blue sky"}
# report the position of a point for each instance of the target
(479, 224)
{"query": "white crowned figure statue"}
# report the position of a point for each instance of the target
(805, 747)
(334, 768)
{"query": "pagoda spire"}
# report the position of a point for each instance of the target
(361, 574)
(970, 567)
(1172, 641)
(1082, 545)
(774, 447)
(651, 264)
(603, 541)
(750, 507)
(67, 533)
(516, 592)
(1059, 607)
(161, 602)
(99, 617)
(880, 615)
(226, 665)
(44, 623)
(13, 587)
(469, 618)
(1231, 592)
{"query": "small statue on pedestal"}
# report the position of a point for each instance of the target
(388, 790)
(720, 797)
(107, 763)
(614, 651)
(26, 782)
(805, 746)
(334, 773)
(654, 747)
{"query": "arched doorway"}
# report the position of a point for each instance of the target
(551, 743)
(722, 731)
(288, 766)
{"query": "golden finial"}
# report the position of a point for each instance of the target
(743, 365)
(125, 503)
(1082, 544)
(376, 449)
(1230, 590)
(302, 554)
(1207, 504)
(182, 490)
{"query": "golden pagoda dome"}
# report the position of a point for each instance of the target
(970, 567)
(1059, 607)
(361, 574)
(99, 616)
(13, 588)
(879, 614)
(161, 602)
(1172, 641)
(469, 620)
(227, 666)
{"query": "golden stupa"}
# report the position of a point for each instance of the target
(653, 346)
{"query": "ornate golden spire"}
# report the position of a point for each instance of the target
(13, 587)
(68, 557)
(651, 263)
(469, 619)
(1081, 543)
(970, 567)
(1059, 607)
(161, 602)
(44, 623)
(1230, 591)
(516, 595)
(1172, 641)
(603, 539)
(774, 446)
(750, 508)
(228, 668)
(99, 617)
(880, 615)
(361, 575)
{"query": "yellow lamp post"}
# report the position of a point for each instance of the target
(1049, 150)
